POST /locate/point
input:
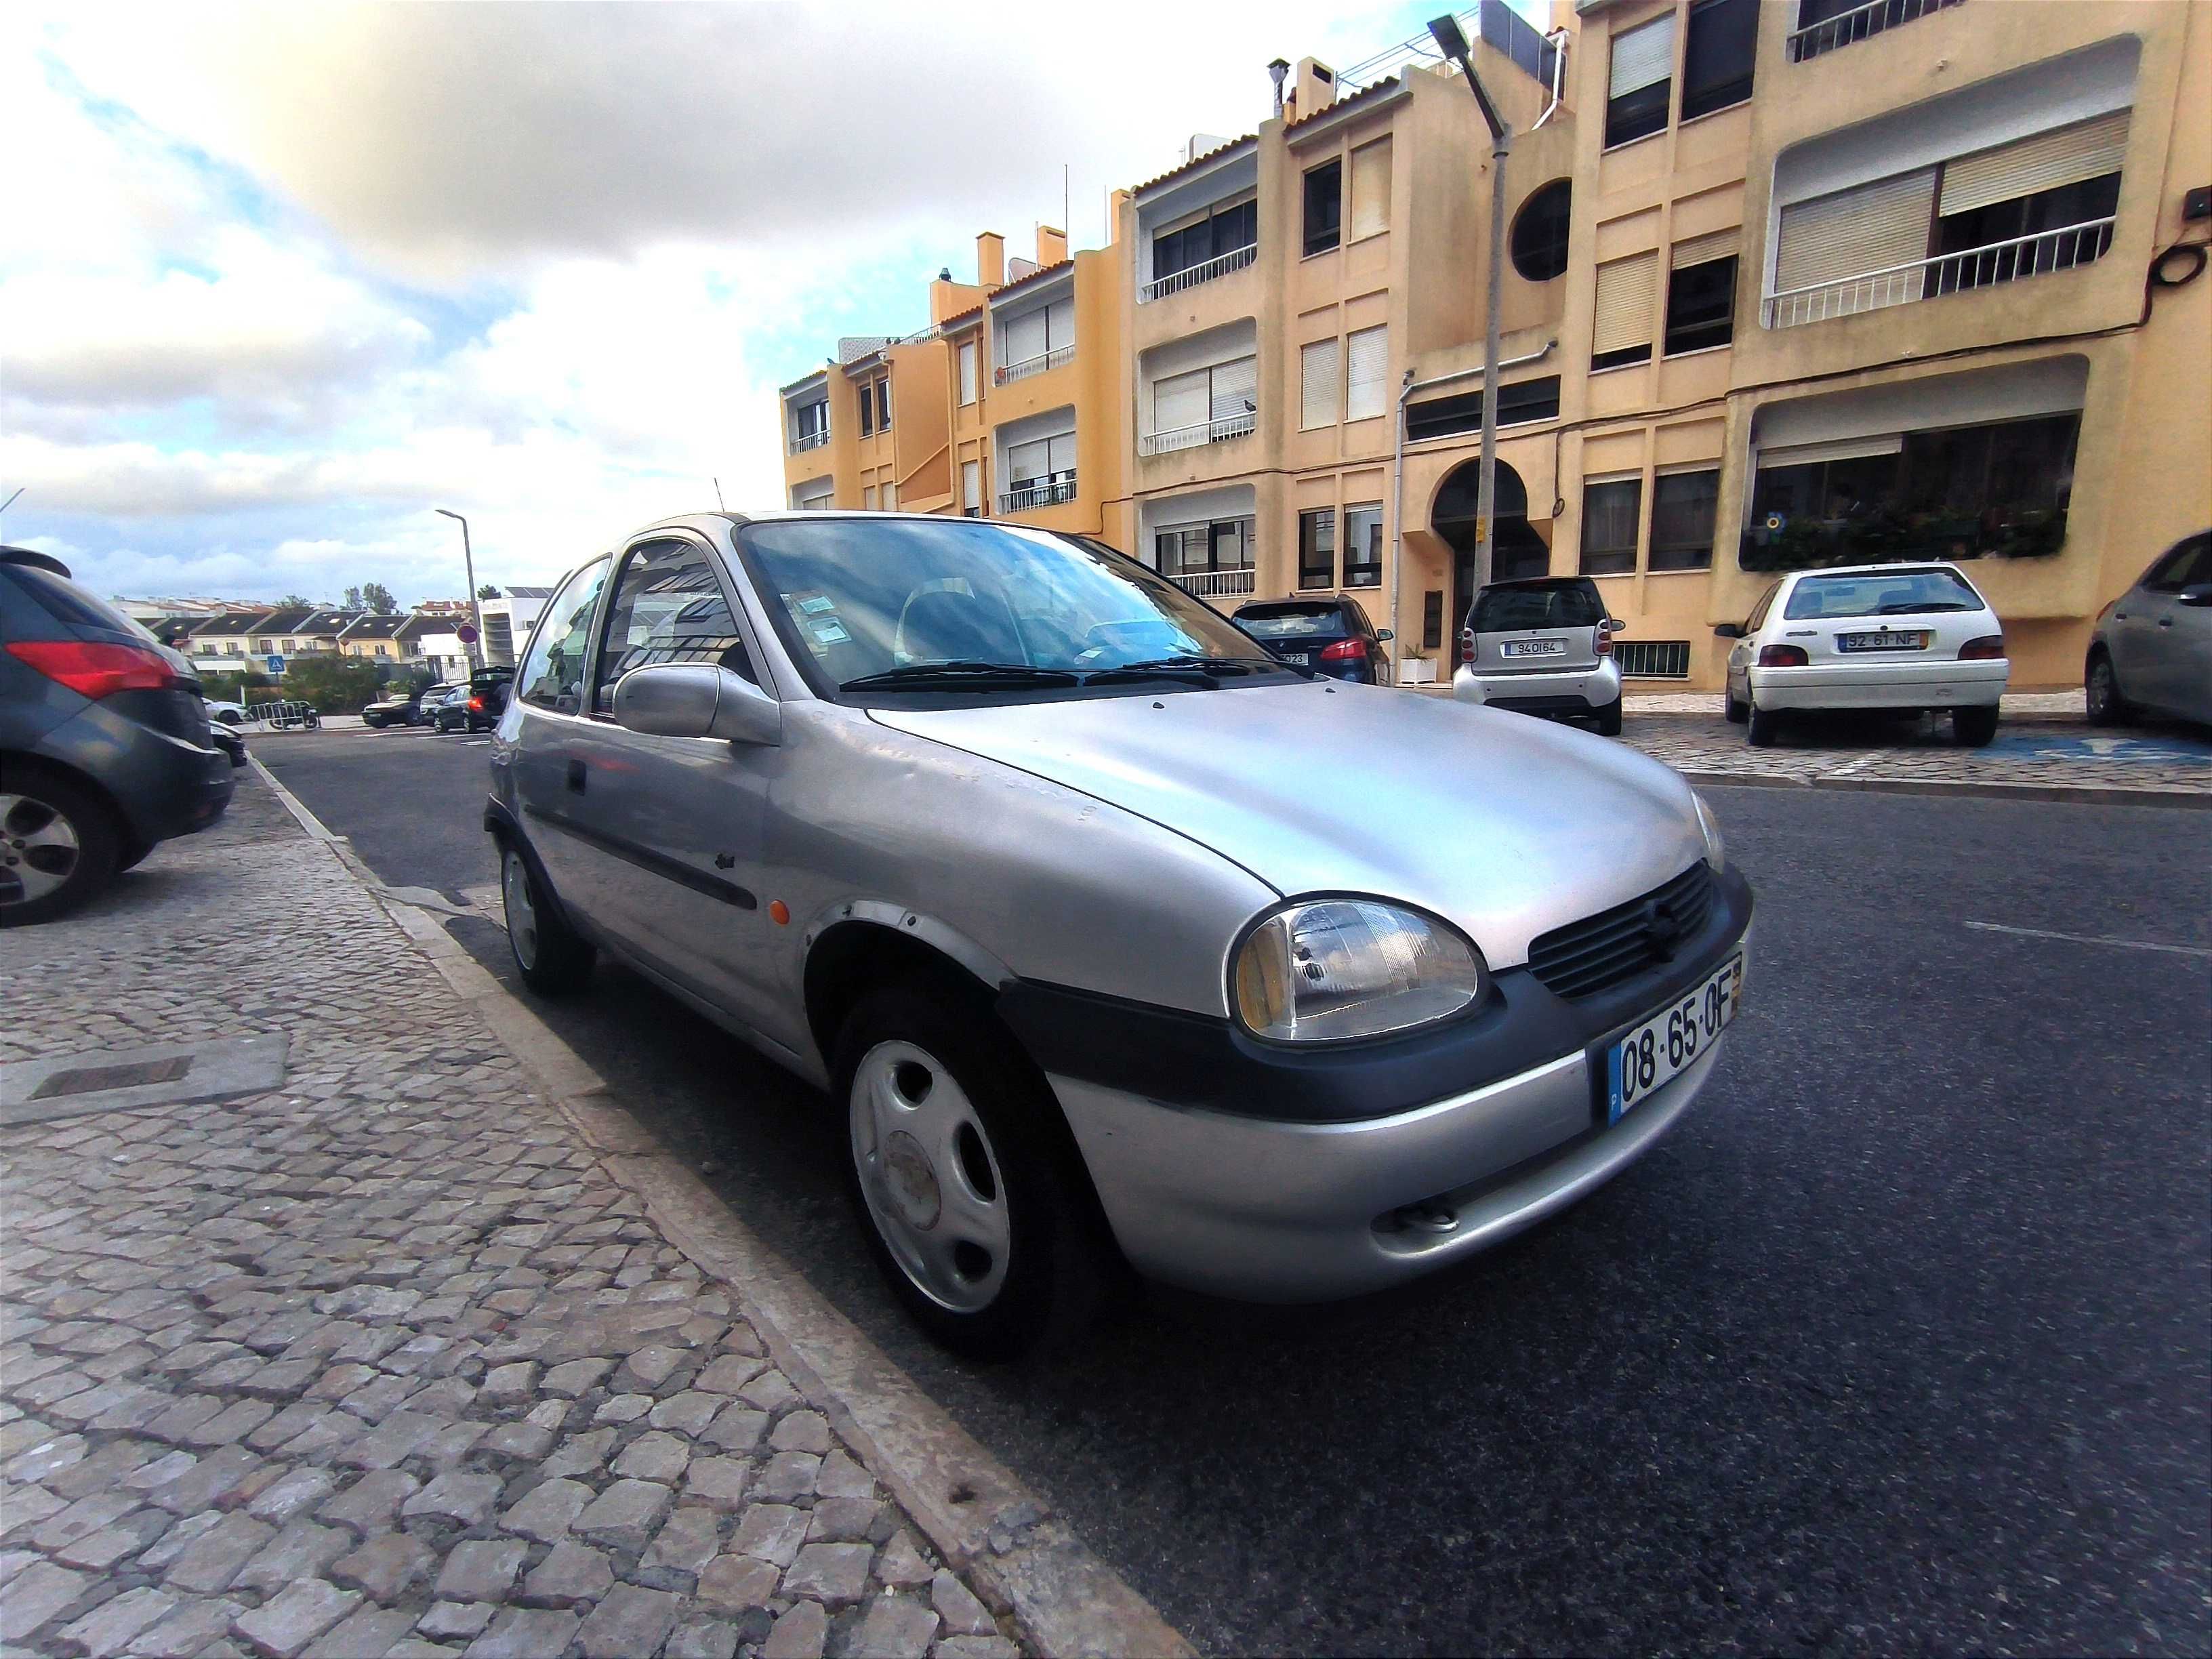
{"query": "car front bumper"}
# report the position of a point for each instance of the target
(1951, 684)
(1542, 692)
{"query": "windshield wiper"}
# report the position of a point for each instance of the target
(1205, 670)
(961, 675)
(1912, 607)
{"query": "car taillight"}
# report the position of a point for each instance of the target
(1345, 651)
(100, 671)
(1783, 656)
(1604, 641)
(1988, 646)
(1466, 645)
(476, 705)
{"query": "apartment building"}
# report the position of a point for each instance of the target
(1792, 283)
(1007, 405)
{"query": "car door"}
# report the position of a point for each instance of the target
(1745, 651)
(675, 825)
(2169, 660)
(538, 744)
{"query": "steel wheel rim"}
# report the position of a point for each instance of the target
(930, 1178)
(521, 914)
(38, 848)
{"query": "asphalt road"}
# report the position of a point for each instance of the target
(1900, 1340)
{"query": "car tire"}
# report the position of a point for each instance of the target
(944, 1112)
(228, 718)
(1974, 728)
(552, 959)
(1609, 719)
(1737, 713)
(60, 846)
(2100, 683)
(1762, 727)
(130, 853)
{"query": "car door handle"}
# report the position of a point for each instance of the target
(2119, 615)
(2165, 621)
(576, 777)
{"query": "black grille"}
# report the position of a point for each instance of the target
(1592, 955)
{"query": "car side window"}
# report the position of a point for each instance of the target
(667, 607)
(2187, 565)
(1758, 611)
(552, 675)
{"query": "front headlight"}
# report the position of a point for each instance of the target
(1325, 969)
(1715, 849)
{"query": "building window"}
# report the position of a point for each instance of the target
(867, 403)
(1610, 511)
(1363, 545)
(1370, 189)
(1641, 81)
(1539, 238)
(890, 495)
(1366, 382)
(1948, 493)
(1518, 404)
(810, 424)
(883, 404)
(1219, 231)
(1317, 375)
(971, 488)
(1317, 548)
(868, 498)
(1700, 304)
(1683, 505)
(1195, 549)
(1620, 329)
(1039, 473)
(1718, 55)
(1033, 341)
(1203, 407)
(968, 378)
(1433, 619)
(1324, 207)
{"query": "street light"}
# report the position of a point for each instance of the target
(469, 564)
(1453, 44)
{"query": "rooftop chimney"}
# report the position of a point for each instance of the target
(1276, 71)
(1051, 246)
(991, 260)
(1313, 89)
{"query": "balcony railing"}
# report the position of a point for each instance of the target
(1857, 24)
(1215, 584)
(1941, 274)
(1029, 366)
(806, 441)
(1040, 492)
(1191, 437)
(1191, 275)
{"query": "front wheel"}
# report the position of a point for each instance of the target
(548, 953)
(1974, 728)
(59, 846)
(970, 1189)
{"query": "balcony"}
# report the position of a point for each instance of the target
(1038, 492)
(1006, 373)
(1940, 275)
(1216, 584)
(1191, 275)
(1197, 435)
(1857, 24)
(806, 441)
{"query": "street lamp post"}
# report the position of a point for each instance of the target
(1453, 44)
(476, 604)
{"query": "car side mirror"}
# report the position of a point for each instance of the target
(2197, 593)
(1385, 634)
(1727, 631)
(696, 700)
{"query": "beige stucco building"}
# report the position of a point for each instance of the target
(1803, 282)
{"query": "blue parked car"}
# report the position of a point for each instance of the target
(1330, 634)
(104, 748)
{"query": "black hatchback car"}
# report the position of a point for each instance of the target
(1331, 634)
(104, 748)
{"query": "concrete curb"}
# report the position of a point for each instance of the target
(2072, 794)
(979, 1515)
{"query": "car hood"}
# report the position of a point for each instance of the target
(1506, 825)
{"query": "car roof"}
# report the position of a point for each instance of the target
(36, 560)
(1541, 583)
(1288, 607)
(1913, 567)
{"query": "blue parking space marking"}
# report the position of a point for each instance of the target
(2143, 751)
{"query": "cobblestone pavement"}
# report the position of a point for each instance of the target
(382, 1361)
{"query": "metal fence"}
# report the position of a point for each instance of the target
(1653, 659)
(1857, 24)
(1941, 274)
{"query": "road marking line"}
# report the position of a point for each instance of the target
(2085, 938)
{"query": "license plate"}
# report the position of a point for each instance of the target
(1910, 639)
(1653, 1054)
(1535, 648)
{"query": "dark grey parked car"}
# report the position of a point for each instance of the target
(105, 747)
(2151, 651)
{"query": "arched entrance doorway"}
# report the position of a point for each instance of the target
(1517, 548)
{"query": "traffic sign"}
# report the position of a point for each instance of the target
(276, 663)
(466, 633)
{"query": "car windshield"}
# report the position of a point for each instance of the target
(1502, 609)
(1291, 622)
(1879, 593)
(870, 605)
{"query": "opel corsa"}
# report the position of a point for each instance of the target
(1015, 848)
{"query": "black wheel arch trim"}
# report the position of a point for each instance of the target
(500, 821)
(1207, 1063)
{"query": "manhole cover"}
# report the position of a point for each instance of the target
(89, 1080)
(125, 1079)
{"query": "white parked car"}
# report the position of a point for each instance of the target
(230, 714)
(1905, 638)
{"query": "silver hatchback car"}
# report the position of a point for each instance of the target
(1015, 848)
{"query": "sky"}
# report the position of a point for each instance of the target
(277, 282)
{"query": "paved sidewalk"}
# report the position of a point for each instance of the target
(383, 1359)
